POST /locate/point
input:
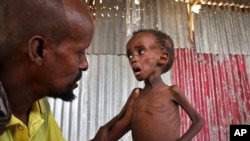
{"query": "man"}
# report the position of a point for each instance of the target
(42, 53)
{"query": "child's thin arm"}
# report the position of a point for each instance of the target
(197, 120)
(120, 124)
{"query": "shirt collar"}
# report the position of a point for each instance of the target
(38, 107)
(6, 117)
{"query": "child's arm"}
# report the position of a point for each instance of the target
(197, 120)
(120, 124)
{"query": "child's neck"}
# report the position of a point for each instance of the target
(153, 83)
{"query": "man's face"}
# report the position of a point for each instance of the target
(67, 60)
(143, 54)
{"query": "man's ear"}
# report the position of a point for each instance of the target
(163, 59)
(37, 49)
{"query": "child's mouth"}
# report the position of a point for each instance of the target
(136, 70)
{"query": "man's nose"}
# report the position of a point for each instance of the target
(84, 63)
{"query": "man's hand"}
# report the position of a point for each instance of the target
(101, 135)
(120, 124)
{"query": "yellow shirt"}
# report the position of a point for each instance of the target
(41, 127)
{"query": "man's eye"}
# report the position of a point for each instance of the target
(82, 52)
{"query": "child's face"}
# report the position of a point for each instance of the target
(144, 55)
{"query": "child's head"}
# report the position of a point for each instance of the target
(164, 41)
(158, 43)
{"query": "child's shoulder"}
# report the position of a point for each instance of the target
(171, 88)
(176, 93)
(175, 89)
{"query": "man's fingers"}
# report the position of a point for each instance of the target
(101, 135)
(131, 102)
(134, 94)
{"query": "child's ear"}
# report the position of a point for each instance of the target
(163, 59)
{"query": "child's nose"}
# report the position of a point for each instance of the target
(133, 59)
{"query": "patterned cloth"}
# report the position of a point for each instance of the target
(5, 110)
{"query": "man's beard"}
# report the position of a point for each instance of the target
(68, 94)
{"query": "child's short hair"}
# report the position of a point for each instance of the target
(164, 41)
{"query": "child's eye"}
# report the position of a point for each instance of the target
(130, 56)
(141, 51)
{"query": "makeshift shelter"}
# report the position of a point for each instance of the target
(212, 66)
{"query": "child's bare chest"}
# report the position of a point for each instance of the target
(155, 113)
(155, 103)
